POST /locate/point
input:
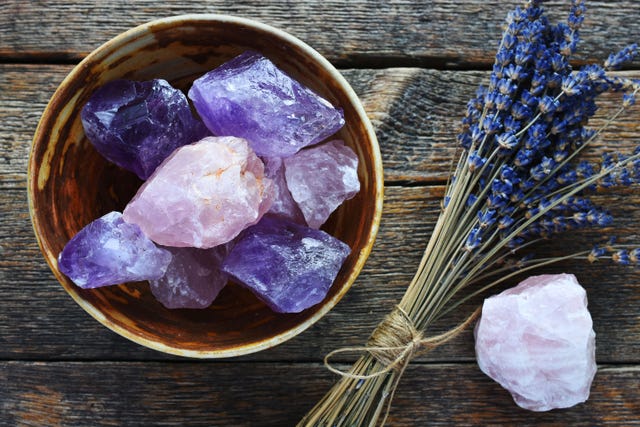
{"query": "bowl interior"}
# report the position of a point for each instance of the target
(70, 184)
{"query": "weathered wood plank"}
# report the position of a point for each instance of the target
(432, 33)
(250, 394)
(476, 400)
(416, 114)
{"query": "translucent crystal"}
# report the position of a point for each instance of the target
(203, 195)
(538, 342)
(251, 98)
(136, 125)
(289, 266)
(283, 204)
(193, 278)
(320, 178)
(109, 251)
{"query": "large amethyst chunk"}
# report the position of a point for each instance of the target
(109, 251)
(250, 97)
(136, 125)
(288, 266)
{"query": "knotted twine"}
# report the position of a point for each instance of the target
(393, 344)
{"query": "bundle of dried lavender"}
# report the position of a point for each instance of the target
(519, 179)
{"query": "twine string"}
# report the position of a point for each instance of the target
(393, 344)
(396, 341)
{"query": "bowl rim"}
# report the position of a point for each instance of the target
(378, 182)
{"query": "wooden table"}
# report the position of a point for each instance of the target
(414, 64)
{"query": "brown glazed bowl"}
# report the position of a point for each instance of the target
(70, 184)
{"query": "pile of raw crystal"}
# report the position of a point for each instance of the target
(240, 194)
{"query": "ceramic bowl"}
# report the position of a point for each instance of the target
(70, 184)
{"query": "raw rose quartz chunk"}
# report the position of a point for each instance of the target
(320, 178)
(537, 341)
(136, 125)
(250, 97)
(283, 204)
(288, 266)
(193, 278)
(109, 251)
(203, 195)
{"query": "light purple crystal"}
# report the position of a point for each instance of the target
(136, 125)
(537, 341)
(320, 178)
(193, 278)
(108, 251)
(288, 266)
(283, 204)
(203, 195)
(251, 98)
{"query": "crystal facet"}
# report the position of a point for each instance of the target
(283, 204)
(203, 195)
(109, 251)
(250, 97)
(320, 178)
(193, 278)
(538, 342)
(289, 266)
(136, 125)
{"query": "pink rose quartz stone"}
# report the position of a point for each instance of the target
(320, 178)
(193, 278)
(537, 341)
(203, 195)
(283, 204)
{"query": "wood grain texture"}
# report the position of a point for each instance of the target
(434, 33)
(416, 114)
(252, 394)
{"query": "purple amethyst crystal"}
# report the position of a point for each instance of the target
(193, 278)
(250, 97)
(320, 178)
(136, 125)
(109, 251)
(288, 266)
(283, 204)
